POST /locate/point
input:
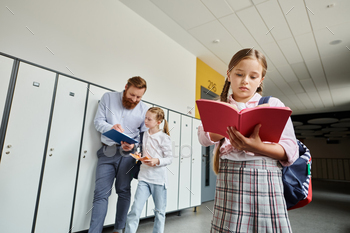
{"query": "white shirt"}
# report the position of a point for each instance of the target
(157, 145)
(111, 111)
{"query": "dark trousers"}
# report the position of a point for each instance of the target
(113, 165)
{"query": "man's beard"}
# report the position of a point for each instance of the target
(127, 103)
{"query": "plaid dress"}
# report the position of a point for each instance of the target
(249, 198)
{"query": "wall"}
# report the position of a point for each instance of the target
(330, 161)
(101, 42)
(208, 78)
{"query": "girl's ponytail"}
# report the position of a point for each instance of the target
(166, 128)
(216, 157)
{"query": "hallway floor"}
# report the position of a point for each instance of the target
(328, 212)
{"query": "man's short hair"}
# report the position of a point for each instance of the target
(137, 82)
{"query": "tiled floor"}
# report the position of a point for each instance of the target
(328, 212)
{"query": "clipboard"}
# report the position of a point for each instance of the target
(118, 137)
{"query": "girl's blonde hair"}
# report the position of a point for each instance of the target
(238, 57)
(160, 117)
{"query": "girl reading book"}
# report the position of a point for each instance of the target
(249, 190)
(157, 154)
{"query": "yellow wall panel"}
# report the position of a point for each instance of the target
(208, 78)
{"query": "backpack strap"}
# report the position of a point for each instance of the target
(264, 100)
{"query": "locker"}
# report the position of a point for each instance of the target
(347, 169)
(324, 169)
(58, 184)
(335, 169)
(196, 166)
(150, 203)
(185, 191)
(134, 184)
(24, 147)
(341, 169)
(87, 169)
(173, 169)
(5, 75)
(314, 168)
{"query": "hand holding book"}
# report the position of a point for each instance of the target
(217, 116)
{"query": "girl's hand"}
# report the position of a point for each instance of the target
(215, 137)
(237, 140)
(152, 162)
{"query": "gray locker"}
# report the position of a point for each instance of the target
(87, 169)
(150, 202)
(5, 75)
(24, 146)
(58, 184)
(185, 191)
(173, 169)
(196, 168)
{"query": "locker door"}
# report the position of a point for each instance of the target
(185, 163)
(5, 75)
(134, 184)
(58, 184)
(87, 169)
(196, 168)
(150, 202)
(24, 147)
(173, 169)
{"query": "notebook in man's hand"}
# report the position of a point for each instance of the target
(217, 116)
(118, 137)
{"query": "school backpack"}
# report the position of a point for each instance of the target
(296, 178)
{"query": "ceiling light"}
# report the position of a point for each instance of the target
(334, 42)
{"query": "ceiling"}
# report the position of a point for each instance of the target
(306, 42)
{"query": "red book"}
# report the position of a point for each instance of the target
(217, 116)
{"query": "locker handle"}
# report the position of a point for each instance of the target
(7, 152)
(9, 146)
(50, 154)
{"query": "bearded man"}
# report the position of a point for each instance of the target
(124, 112)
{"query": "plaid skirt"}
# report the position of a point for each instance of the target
(249, 198)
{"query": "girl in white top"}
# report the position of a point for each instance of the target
(157, 154)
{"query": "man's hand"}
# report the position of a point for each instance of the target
(126, 146)
(118, 127)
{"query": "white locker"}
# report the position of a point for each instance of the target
(24, 146)
(87, 169)
(196, 169)
(5, 75)
(134, 184)
(185, 191)
(150, 202)
(173, 169)
(58, 184)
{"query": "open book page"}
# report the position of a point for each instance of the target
(217, 116)
(272, 120)
(138, 157)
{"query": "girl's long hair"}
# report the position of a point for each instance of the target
(239, 56)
